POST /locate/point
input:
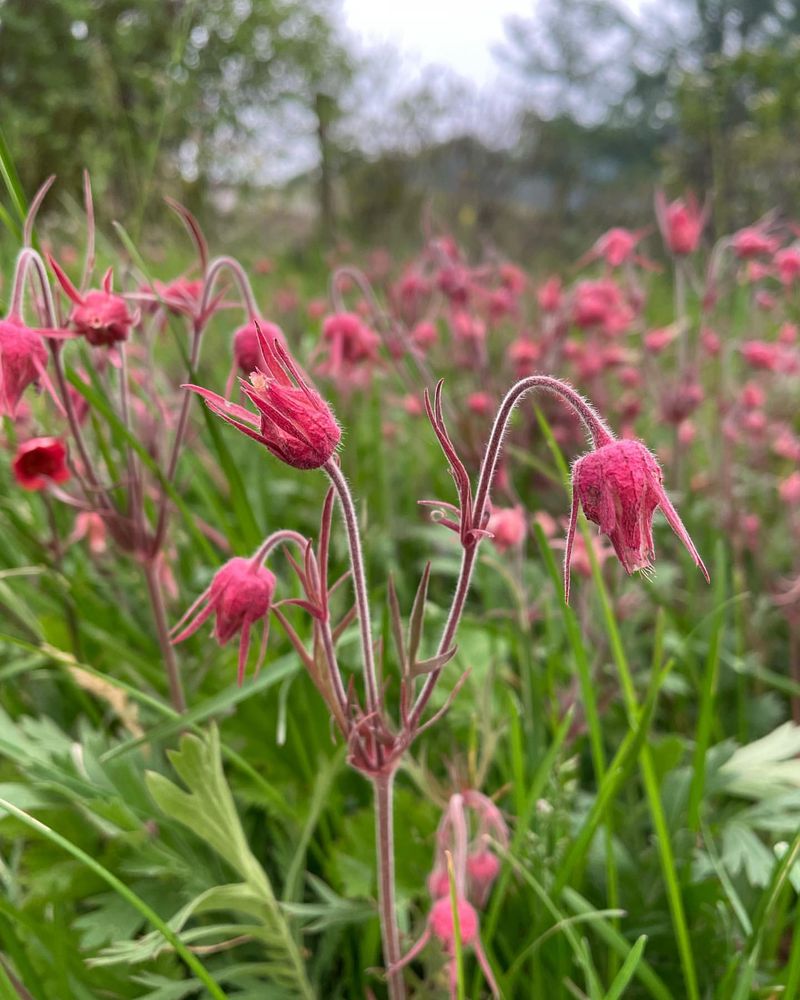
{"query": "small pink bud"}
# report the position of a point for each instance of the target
(442, 926)
(294, 422)
(681, 223)
(753, 241)
(482, 869)
(438, 883)
(508, 527)
(789, 490)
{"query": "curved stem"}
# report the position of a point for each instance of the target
(359, 580)
(383, 785)
(209, 281)
(600, 434)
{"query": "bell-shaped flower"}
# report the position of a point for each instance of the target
(619, 486)
(239, 596)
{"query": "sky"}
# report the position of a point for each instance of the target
(459, 34)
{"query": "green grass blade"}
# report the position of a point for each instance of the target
(123, 891)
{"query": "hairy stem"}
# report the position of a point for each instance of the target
(383, 785)
(600, 434)
(359, 580)
(162, 630)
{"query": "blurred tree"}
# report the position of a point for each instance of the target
(679, 83)
(140, 90)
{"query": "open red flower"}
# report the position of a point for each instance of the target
(619, 486)
(294, 422)
(40, 461)
(239, 595)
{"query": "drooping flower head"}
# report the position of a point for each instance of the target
(23, 358)
(619, 486)
(99, 315)
(294, 422)
(40, 461)
(508, 527)
(681, 223)
(239, 596)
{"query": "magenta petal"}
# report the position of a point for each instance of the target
(677, 526)
(224, 406)
(573, 521)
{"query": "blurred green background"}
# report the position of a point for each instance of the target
(276, 121)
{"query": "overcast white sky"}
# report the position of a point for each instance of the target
(454, 33)
(459, 34)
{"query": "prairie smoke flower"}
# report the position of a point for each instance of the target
(657, 340)
(454, 281)
(710, 340)
(787, 262)
(681, 223)
(40, 461)
(549, 295)
(480, 403)
(467, 328)
(92, 527)
(424, 335)
(512, 278)
(350, 344)
(601, 303)
(23, 359)
(442, 924)
(508, 527)
(99, 315)
(483, 868)
(616, 246)
(752, 241)
(789, 490)
(239, 596)
(293, 422)
(619, 486)
(410, 294)
(523, 353)
(764, 355)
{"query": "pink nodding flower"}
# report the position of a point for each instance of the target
(549, 295)
(23, 362)
(98, 315)
(752, 241)
(240, 595)
(293, 421)
(787, 262)
(789, 490)
(246, 350)
(351, 345)
(508, 527)
(483, 867)
(619, 486)
(40, 461)
(616, 246)
(681, 223)
(523, 353)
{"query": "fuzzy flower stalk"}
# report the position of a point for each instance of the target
(618, 484)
